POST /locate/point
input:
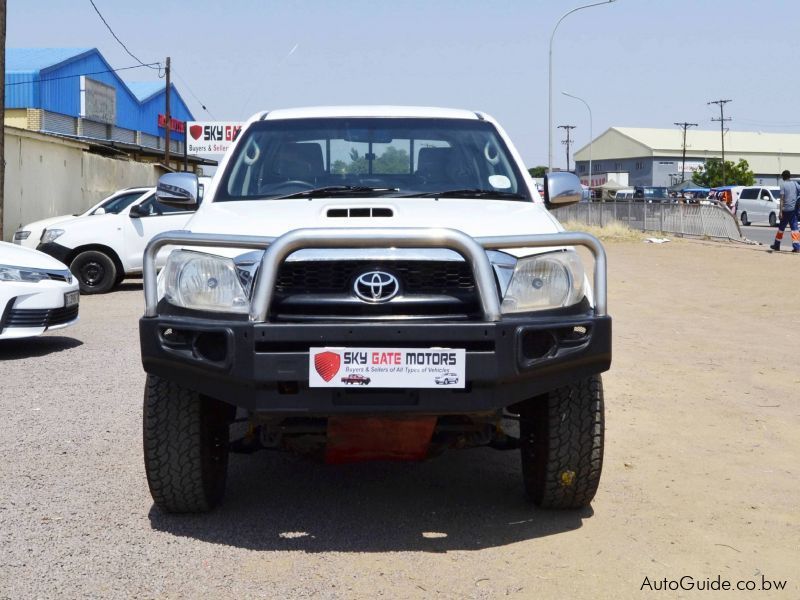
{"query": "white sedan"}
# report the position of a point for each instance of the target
(37, 293)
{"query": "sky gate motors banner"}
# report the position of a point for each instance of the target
(211, 137)
(387, 367)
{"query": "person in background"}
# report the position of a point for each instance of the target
(789, 194)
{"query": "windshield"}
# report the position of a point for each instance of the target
(371, 156)
(119, 203)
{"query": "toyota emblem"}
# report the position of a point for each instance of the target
(376, 286)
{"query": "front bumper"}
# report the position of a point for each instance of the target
(57, 251)
(30, 309)
(264, 366)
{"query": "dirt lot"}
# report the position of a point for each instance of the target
(701, 472)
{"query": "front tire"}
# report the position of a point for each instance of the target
(561, 444)
(186, 439)
(773, 220)
(95, 271)
(744, 219)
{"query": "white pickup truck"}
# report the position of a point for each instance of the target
(102, 248)
(373, 283)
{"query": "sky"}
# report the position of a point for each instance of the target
(637, 63)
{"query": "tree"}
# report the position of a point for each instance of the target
(537, 171)
(710, 174)
(392, 161)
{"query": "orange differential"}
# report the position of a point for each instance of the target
(358, 439)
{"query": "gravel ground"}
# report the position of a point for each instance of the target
(700, 479)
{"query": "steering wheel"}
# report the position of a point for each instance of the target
(292, 183)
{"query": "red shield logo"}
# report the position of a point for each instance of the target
(196, 131)
(327, 364)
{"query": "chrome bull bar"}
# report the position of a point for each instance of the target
(278, 249)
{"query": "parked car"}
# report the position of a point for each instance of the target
(102, 249)
(626, 194)
(30, 235)
(37, 293)
(312, 252)
(760, 204)
(650, 194)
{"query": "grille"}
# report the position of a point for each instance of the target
(324, 290)
(21, 317)
(416, 277)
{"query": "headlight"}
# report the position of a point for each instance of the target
(202, 282)
(9, 273)
(51, 234)
(21, 235)
(552, 280)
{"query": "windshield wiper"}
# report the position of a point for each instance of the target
(467, 193)
(337, 190)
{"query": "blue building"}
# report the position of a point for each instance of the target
(75, 92)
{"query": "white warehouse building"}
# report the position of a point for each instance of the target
(654, 156)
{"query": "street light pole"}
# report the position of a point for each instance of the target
(550, 82)
(591, 135)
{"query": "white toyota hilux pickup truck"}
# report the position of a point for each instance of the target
(373, 283)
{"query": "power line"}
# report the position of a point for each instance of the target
(722, 119)
(685, 126)
(567, 141)
(193, 94)
(116, 37)
(79, 75)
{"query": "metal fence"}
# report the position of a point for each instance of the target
(700, 220)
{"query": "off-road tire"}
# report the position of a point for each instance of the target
(186, 441)
(561, 444)
(95, 271)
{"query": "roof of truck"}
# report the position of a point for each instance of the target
(312, 112)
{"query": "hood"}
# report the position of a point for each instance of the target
(84, 223)
(20, 256)
(475, 217)
(39, 226)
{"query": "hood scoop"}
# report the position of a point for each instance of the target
(344, 213)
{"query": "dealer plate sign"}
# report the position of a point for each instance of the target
(386, 367)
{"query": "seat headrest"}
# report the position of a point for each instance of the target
(300, 160)
(434, 161)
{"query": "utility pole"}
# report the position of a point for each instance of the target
(2, 111)
(722, 119)
(167, 119)
(568, 140)
(685, 126)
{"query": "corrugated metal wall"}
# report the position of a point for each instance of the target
(63, 95)
(155, 106)
(58, 91)
(149, 141)
(58, 123)
(19, 92)
(94, 130)
(123, 135)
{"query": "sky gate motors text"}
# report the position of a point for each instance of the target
(434, 358)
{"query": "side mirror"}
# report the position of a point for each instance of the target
(137, 211)
(179, 190)
(99, 211)
(561, 188)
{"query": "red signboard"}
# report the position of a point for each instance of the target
(174, 124)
